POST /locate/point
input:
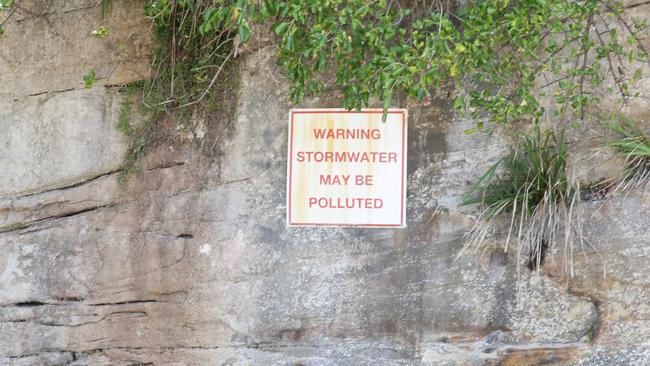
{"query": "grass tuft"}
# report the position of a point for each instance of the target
(105, 8)
(633, 144)
(529, 196)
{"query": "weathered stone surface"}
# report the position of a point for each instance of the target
(196, 255)
(55, 132)
(612, 271)
(57, 139)
(192, 262)
(48, 46)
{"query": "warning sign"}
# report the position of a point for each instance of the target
(346, 168)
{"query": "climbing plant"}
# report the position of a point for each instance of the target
(508, 54)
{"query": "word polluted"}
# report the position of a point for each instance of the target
(346, 202)
(347, 168)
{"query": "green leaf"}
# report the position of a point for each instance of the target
(244, 32)
(281, 28)
(459, 103)
(480, 185)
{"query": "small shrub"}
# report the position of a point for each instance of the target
(531, 197)
(90, 79)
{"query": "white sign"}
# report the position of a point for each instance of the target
(346, 168)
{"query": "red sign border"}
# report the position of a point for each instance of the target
(292, 112)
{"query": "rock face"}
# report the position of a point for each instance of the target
(192, 263)
(54, 131)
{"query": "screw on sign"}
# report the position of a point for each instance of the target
(347, 168)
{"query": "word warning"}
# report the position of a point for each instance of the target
(346, 168)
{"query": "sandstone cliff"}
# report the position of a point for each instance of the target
(192, 264)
